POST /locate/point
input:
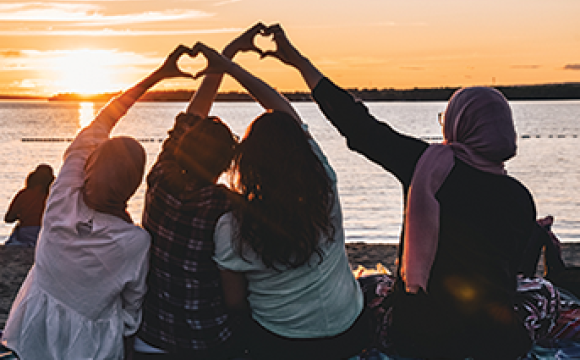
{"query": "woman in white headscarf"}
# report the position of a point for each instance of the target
(83, 295)
(466, 221)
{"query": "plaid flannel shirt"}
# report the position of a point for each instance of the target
(184, 310)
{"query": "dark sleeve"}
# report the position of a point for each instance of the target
(166, 159)
(395, 152)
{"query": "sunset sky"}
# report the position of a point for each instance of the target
(98, 46)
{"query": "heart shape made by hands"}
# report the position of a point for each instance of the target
(191, 63)
(265, 42)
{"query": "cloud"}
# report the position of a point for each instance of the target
(413, 68)
(399, 24)
(89, 14)
(572, 67)
(10, 53)
(111, 32)
(525, 67)
(26, 84)
(48, 60)
(226, 2)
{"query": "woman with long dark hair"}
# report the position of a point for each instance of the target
(281, 250)
(288, 194)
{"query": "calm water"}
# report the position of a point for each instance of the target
(548, 160)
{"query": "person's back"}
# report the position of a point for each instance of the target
(303, 298)
(82, 298)
(485, 222)
(183, 312)
(317, 299)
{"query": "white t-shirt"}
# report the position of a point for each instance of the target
(319, 299)
(85, 290)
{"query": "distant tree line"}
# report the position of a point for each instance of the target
(565, 91)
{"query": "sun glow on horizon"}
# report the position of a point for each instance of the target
(86, 72)
(86, 113)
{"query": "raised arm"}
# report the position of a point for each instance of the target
(168, 69)
(111, 113)
(376, 140)
(203, 98)
(100, 128)
(268, 97)
(289, 55)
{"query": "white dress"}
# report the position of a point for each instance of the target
(85, 289)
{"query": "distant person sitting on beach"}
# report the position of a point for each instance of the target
(184, 312)
(27, 207)
(466, 221)
(281, 249)
(84, 293)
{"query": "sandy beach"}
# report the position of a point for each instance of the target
(15, 263)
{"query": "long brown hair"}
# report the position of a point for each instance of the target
(286, 190)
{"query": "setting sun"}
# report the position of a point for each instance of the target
(87, 71)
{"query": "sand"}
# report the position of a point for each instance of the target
(15, 263)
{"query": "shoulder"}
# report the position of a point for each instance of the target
(138, 236)
(134, 240)
(501, 192)
(21, 194)
(226, 254)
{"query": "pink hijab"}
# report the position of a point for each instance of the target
(478, 130)
(113, 172)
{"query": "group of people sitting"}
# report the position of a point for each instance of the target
(258, 269)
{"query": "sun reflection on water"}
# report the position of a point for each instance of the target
(86, 113)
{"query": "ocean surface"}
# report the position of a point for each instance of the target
(548, 160)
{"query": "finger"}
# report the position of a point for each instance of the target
(269, 53)
(199, 47)
(200, 74)
(273, 29)
(256, 50)
(186, 75)
(258, 27)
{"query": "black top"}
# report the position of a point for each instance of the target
(485, 223)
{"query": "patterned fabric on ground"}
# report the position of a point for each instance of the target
(376, 289)
(567, 327)
(538, 305)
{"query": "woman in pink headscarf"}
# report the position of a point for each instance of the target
(466, 221)
(84, 293)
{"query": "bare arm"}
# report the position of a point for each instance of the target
(267, 96)
(203, 98)
(100, 128)
(234, 285)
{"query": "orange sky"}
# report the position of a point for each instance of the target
(95, 46)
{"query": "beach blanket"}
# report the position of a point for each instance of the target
(556, 336)
(559, 339)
